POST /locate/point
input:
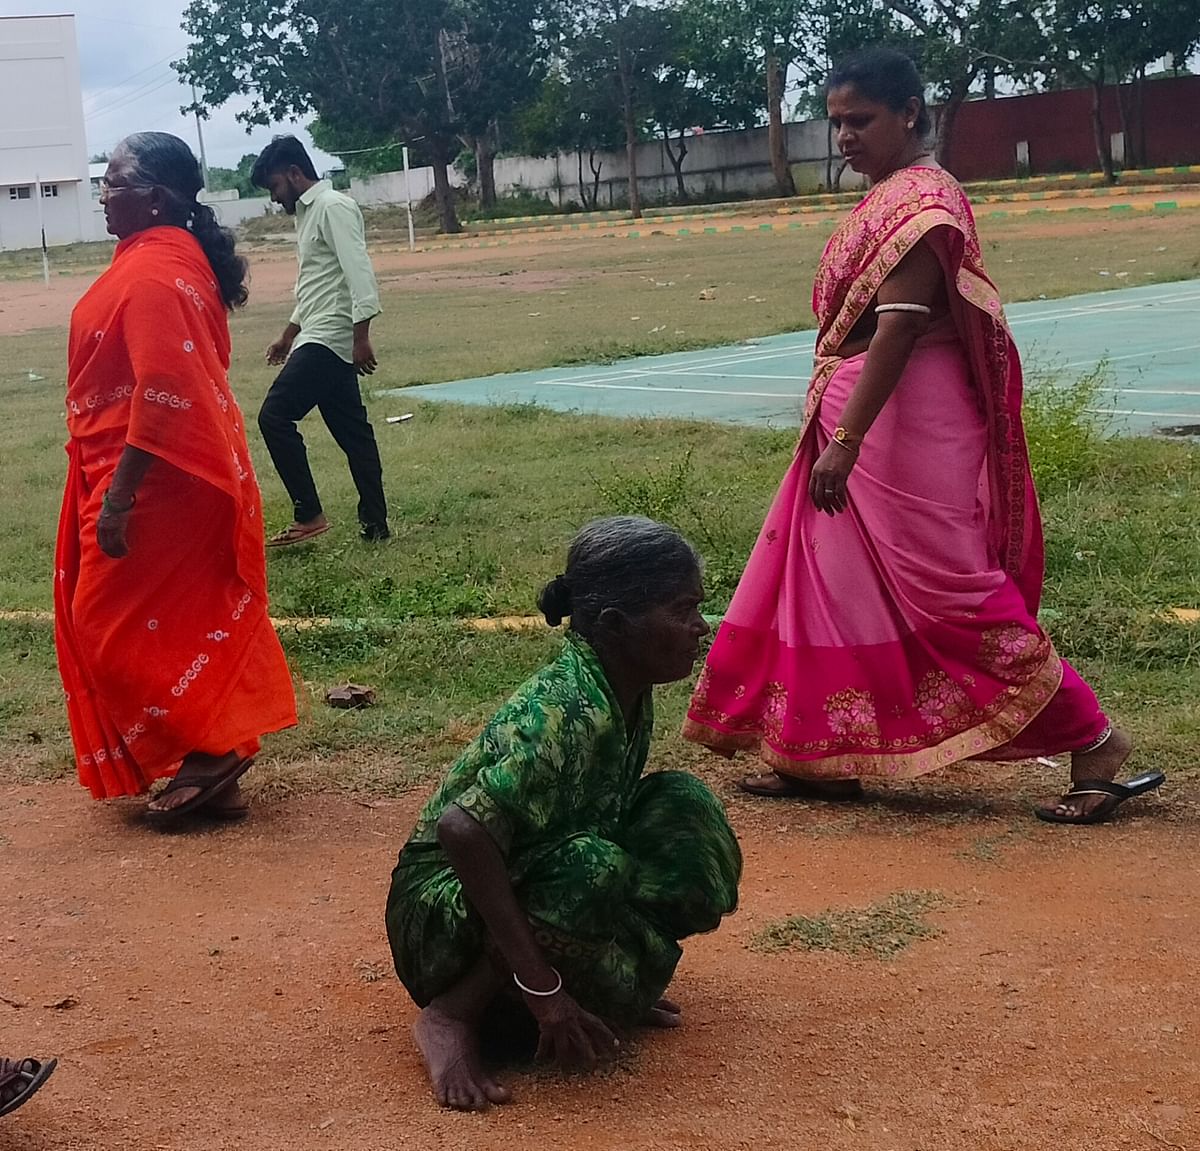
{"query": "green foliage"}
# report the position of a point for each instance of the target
(880, 930)
(375, 70)
(517, 202)
(221, 179)
(1065, 426)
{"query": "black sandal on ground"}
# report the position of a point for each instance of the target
(20, 1078)
(1114, 794)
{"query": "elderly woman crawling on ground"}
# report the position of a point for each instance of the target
(547, 869)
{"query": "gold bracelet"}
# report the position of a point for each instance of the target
(844, 439)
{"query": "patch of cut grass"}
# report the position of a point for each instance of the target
(880, 930)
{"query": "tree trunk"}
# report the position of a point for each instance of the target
(625, 68)
(1100, 132)
(776, 139)
(1139, 116)
(944, 140)
(677, 163)
(1125, 113)
(829, 156)
(583, 196)
(439, 148)
(485, 167)
(596, 170)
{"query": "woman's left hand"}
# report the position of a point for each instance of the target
(110, 533)
(827, 484)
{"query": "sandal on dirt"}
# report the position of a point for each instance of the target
(20, 1078)
(296, 534)
(774, 785)
(206, 793)
(1114, 794)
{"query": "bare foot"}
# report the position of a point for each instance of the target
(780, 785)
(666, 1014)
(450, 1048)
(1103, 763)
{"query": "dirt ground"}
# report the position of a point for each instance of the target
(28, 304)
(232, 988)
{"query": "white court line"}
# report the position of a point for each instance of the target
(1133, 356)
(1151, 415)
(1101, 308)
(1152, 391)
(672, 391)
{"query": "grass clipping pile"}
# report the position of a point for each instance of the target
(880, 930)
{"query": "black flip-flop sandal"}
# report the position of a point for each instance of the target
(189, 806)
(789, 787)
(31, 1072)
(1114, 794)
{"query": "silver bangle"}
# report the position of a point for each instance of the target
(1098, 742)
(540, 994)
(920, 309)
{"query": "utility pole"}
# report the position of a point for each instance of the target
(200, 135)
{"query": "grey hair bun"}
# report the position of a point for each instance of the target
(554, 602)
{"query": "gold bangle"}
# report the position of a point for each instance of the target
(844, 439)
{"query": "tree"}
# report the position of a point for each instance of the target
(1103, 42)
(682, 85)
(963, 42)
(797, 38)
(386, 71)
(576, 111)
(236, 179)
(611, 25)
(511, 44)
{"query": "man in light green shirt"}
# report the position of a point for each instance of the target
(326, 345)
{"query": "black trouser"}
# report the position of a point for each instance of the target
(315, 377)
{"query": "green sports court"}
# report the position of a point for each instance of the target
(1148, 337)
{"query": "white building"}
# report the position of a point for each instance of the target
(43, 148)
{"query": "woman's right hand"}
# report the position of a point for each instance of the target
(571, 1037)
(110, 533)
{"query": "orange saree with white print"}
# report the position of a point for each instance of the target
(169, 649)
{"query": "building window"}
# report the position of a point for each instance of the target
(21, 192)
(49, 191)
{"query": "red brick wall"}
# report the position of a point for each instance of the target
(1058, 128)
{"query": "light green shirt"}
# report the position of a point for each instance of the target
(335, 287)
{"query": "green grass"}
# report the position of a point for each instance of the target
(484, 500)
(880, 931)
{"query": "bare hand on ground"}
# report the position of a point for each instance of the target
(571, 1037)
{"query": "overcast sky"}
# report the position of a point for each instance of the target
(125, 51)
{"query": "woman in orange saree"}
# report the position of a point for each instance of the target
(169, 661)
(886, 623)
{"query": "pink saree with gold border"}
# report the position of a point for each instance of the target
(900, 636)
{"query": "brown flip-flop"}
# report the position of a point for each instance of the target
(789, 787)
(209, 792)
(295, 534)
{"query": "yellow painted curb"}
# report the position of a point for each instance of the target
(316, 623)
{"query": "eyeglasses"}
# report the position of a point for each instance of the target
(106, 186)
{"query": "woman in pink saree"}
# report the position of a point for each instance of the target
(886, 623)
